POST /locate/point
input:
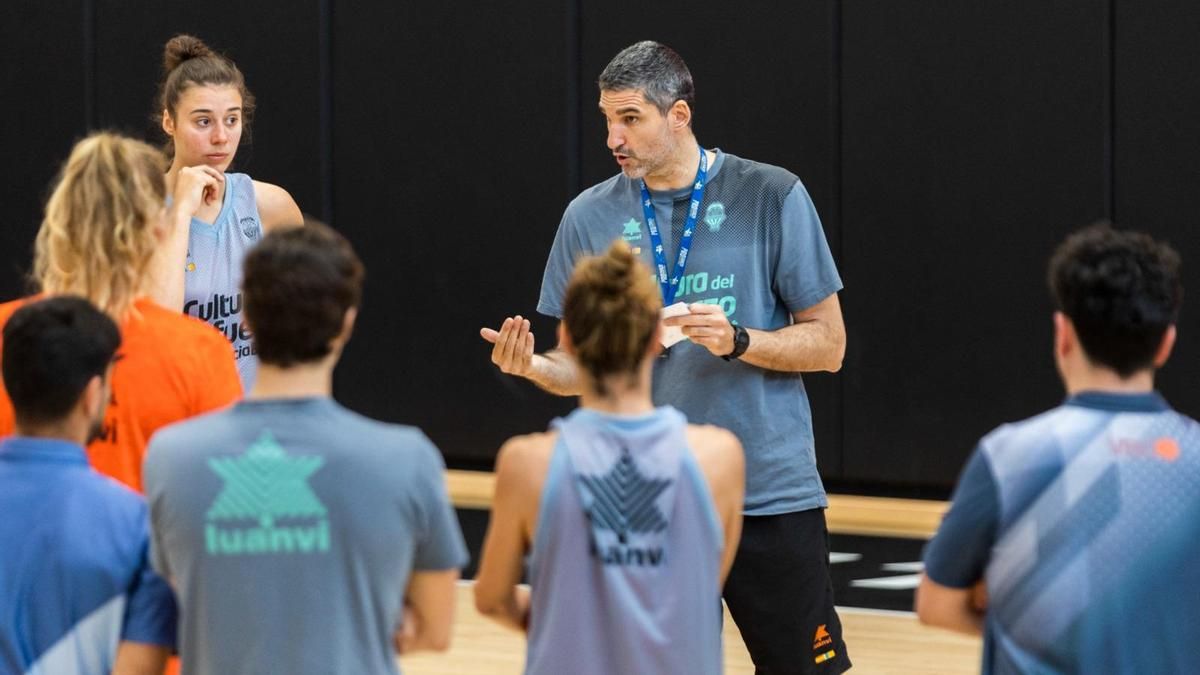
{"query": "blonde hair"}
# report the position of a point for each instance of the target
(611, 309)
(97, 237)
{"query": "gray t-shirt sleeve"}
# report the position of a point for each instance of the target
(440, 544)
(566, 250)
(805, 273)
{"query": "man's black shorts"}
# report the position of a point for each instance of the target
(781, 597)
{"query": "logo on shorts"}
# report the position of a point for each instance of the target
(249, 228)
(822, 638)
(623, 504)
(633, 230)
(714, 215)
(266, 505)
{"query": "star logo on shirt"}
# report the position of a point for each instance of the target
(266, 506)
(623, 500)
(632, 231)
(265, 483)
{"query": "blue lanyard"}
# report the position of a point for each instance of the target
(669, 287)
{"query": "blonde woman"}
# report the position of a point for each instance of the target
(102, 238)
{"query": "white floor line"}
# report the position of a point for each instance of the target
(897, 583)
(904, 567)
(874, 612)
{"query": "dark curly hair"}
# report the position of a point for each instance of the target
(1121, 290)
(52, 349)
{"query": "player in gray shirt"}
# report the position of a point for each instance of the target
(301, 537)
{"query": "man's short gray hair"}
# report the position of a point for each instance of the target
(653, 68)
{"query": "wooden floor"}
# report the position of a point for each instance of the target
(890, 643)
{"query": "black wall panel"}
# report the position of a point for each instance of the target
(764, 76)
(44, 63)
(766, 90)
(449, 163)
(1156, 146)
(973, 139)
(948, 148)
(274, 44)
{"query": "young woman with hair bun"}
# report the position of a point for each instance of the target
(102, 236)
(206, 110)
(631, 515)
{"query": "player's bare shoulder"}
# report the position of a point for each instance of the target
(276, 206)
(718, 451)
(524, 460)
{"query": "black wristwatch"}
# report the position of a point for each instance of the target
(741, 342)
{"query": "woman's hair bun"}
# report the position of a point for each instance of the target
(614, 272)
(610, 311)
(181, 48)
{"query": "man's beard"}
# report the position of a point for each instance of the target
(650, 163)
(635, 172)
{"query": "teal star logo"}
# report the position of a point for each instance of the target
(265, 483)
(623, 500)
(633, 230)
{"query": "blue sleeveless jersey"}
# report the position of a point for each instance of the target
(1083, 521)
(626, 560)
(213, 279)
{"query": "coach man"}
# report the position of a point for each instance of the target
(740, 243)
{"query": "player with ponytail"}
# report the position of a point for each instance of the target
(206, 112)
(631, 515)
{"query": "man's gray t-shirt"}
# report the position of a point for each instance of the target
(760, 254)
(289, 529)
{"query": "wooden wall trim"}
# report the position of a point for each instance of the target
(847, 514)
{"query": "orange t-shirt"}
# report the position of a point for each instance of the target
(172, 367)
